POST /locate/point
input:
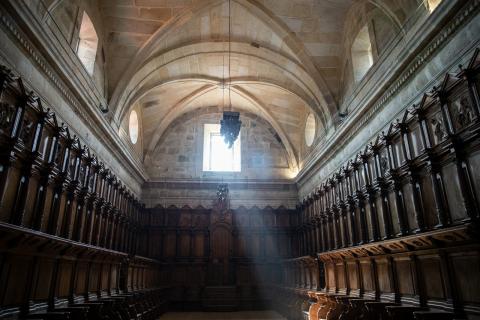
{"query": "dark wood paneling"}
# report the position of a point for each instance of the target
(403, 268)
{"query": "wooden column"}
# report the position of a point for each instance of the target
(396, 187)
(370, 197)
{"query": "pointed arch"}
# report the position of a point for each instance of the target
(157, 70)
(181, 107)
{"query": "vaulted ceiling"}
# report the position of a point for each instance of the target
(308, 31)
(171, 56)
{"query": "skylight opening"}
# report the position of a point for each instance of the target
(362, 57)
(88, 43)
(216, 154)
(432, 4)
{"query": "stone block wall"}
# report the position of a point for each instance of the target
(203, 193)
(177, 166)
(179, 154)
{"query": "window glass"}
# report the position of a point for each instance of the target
(87, 44)
(432, 4)
(216, 154)
(310, 130)
(133, 126)
(362, 58)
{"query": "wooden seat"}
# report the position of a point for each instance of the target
(354, 307)
(377, 309)
(433, 315)
(49, 316)
(403, 312)
(76, 312)
(94, 308)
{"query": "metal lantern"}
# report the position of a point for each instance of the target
(230, 127)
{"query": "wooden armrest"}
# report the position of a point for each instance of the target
(77, 313)
(380, 304)
(402, 312)
(356, 302)
(433, 315)
(49, 316)
(401, 309)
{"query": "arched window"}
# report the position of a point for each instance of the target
(87, 44)
(432, 4)
(133, 126)
(362, 58)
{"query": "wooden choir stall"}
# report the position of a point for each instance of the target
(71, 234)
(394, 233)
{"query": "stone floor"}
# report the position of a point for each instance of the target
(240, 315)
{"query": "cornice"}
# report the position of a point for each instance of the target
(86, 111)
(273, 185)
(240, 209)
(325, 151)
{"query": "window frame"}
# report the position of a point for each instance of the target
(135, 126)
(360, 53)
(310, 129)
(213, 130)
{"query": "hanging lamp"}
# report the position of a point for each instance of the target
(230, 124)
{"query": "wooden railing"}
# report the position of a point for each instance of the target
(418, 175)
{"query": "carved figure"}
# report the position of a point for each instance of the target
(438, 128)
(463, 113)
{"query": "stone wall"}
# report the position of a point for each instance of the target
(177, 167)
(179, 155)
(244, 193)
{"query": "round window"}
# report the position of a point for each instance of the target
(310, 129)
(133, 126)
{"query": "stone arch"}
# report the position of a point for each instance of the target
(388, 13)
(182, 107)
(188, 122)
(295, 79)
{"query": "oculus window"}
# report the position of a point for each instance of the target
(217, 156)
(310, 130)
(133, 126)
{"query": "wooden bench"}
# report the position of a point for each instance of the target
(403, 312)
(377, 309)
(434, 315)
(76, 312)
(95, 309)
(49, 316)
